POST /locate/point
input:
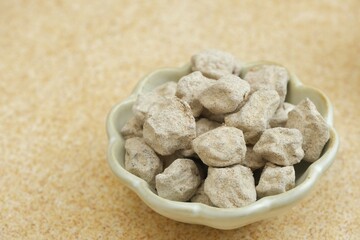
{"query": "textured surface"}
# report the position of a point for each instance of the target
(253, 118)
(189, 87)
(64, 64)
(171, 128)
(141, 160)
(221, 147)
(275, 180)
(312, 126)
(230, 187)
(281, 146)
(226, 95)
(276, 79)
(179, 181)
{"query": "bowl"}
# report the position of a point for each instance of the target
(307, 174)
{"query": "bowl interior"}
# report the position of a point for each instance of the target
(296, 93)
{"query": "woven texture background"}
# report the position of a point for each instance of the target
(64, 64)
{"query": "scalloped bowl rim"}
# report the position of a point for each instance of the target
(221, 218)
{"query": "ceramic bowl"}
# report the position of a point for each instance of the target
(307, 175)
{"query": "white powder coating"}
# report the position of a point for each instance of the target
(204, 125)
(282, 146)
(201, 197)
(253, 118)
(166, 90)
(190, 87)
(141, 160)
(230, 187)
(179, 181)
(154, 100)
(281, 115)
(220, 147)
(275, 179)
(171, 129)
(214, 63)
(253, 160)
(268, 77)
(225, 95)
(132, 128)
(144, 102)
(313, 127)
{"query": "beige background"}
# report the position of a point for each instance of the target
(63, 64)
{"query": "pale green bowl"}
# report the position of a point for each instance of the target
(307, 175)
